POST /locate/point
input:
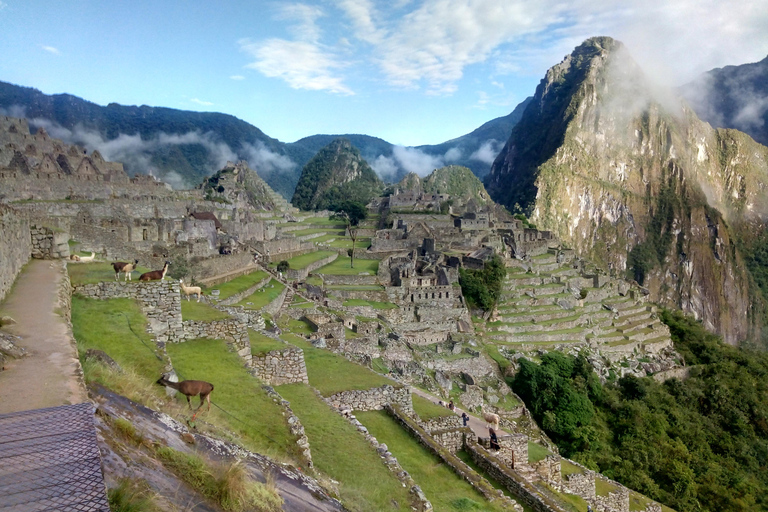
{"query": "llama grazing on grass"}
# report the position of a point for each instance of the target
(88, 259)
(491, 420)
(189, 290)
(191, 388)
(125, 268)
(155, 275)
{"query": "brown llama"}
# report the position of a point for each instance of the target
(191, 388)
(125, 268)
(155, 275)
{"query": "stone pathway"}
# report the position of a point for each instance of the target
(477, 425)
(50, 375)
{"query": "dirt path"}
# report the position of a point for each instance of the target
(48, 376)
(478, 425)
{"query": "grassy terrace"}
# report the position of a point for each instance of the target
(93, 273)
(304, 260)
(330, 373)
(261, 344)
(341, 267)
(262, 296)
(312, 231)
(253, 416)
(340, 452)
(446, 490)
(427, 409)
(537, 452)
(357, 287)
(200, 311)
(239, 284)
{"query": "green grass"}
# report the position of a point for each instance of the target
(341, 267)
(567, 468)
(356, 287)
(319, 221)
(118, 327)
(299, 327)
(444, 488)
(342, 453)
(253, 416)
(304, 260)
(92, 273)
(239, 284)
(604, 487)
(330, 373)
(346, 243)
(261, 343)
(312, 231)
(536, 452)
(427, 410)
(374, 304)
(263, 296)
(200, 311)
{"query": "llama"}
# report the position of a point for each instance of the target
(88, 259)
(155, 274)
(125, 268)
(491, 420)
(189, 290)
(74, 257)
(191, 388)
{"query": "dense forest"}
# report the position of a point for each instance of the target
(695, 444)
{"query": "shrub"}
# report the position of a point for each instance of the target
(283, 266)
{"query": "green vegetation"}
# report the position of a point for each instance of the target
(250, 412)
(200, 311)
(427, 410)
(331, 373)
(92, 273)
(482, 288)
(325, 180)
(261, 344)
(131, 495)
(699, 444)
(299, 262)
(340, 267)
(262, 296)
(230, 487)
(239, 284)
(536, 452)
(444, 488)
(340, 452)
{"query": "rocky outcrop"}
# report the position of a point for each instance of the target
(629, 177)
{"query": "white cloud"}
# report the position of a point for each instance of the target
(237, 77)
(135, 152)
(301, 64)
(51, 49)
(201, 102)
(264, 161)
(385, 167)
(414, 160)
(304, 62)
(452, 155)
(428, 44)
(487, 151)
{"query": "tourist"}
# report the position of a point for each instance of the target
(494, 439)
(465, 418)
(451, 406)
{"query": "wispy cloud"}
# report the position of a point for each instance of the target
(51, 49)
(428, 44)
(303, 62)
(201, 102)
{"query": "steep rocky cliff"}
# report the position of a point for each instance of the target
(336, 173)
(628, 176)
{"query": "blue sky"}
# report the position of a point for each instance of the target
(410, 72)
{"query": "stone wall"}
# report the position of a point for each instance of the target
(221, 264)
(456, 464)
(452, 421)
(232, 331)
(515, 483)
(374, 399)
(281, 367)
(160, 302)
(48, 244)
(15, 247)
(276, 305)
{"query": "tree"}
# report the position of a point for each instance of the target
(352, 213)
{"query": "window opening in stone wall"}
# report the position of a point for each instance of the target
(144, 234)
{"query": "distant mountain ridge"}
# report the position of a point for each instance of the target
(185, 147)
(733, 97)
